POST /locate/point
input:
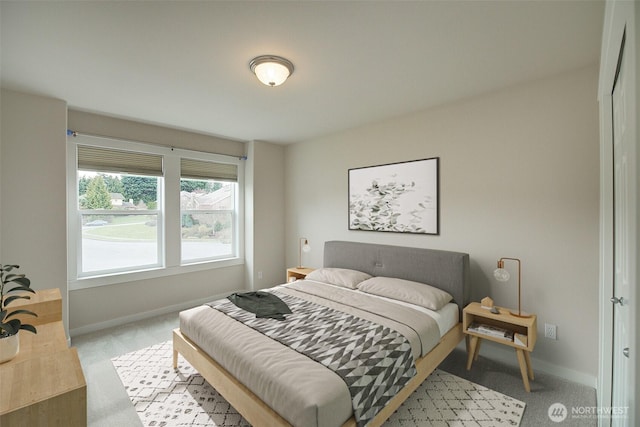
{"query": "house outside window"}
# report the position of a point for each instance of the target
(207, 219)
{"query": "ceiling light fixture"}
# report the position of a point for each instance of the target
(271, 70)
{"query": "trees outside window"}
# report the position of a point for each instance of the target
(97, 195)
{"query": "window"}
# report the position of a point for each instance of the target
(119, 228)
(207, 209)
(137, 208)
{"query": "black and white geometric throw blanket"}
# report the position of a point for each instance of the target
(373, 360)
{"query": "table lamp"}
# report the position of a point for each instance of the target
(503, 275)
(302, 247)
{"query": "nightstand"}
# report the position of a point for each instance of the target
(297, 273)
(521, 331)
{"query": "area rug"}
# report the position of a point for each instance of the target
(163, 397)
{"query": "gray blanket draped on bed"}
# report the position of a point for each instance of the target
(374, 361)
(263, 304)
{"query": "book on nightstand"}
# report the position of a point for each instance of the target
(492, 331)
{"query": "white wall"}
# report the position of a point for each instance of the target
(112, 127)
(265, 194)
(518, 178)
(33, 189)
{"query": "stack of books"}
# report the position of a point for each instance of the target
(492, 331)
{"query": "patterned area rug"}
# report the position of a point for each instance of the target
(163, 397)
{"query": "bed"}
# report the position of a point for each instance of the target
(273, 385)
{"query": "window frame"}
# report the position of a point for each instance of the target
(168, 210)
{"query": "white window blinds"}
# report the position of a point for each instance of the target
(110, 160)
(198, 169)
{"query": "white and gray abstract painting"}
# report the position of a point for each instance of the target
(398, 197)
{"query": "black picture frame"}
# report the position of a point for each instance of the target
(402, 197)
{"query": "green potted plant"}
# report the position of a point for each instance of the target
(12, 287)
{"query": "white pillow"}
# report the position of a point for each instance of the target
(405, 290)
(338, 276)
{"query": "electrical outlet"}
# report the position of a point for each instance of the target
(259, 275)
(550, 331)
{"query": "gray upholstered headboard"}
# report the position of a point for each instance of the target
(446, 270)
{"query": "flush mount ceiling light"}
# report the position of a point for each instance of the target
(271, 70)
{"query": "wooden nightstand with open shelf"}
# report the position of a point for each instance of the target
(524, 331)
(297, 273)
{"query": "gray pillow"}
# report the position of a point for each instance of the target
(405, 290)
(338, 276)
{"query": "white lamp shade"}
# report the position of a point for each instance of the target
(306, 247)
(271, 73)
(501, 274)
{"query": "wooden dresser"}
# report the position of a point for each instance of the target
(44, 384)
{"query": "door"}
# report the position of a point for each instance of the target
(623, 228)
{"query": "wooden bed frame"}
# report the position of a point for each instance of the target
(375, 260)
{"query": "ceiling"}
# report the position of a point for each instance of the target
(186, 64)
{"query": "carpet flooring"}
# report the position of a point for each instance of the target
(164, 397)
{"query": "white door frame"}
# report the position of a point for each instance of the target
(620, 17)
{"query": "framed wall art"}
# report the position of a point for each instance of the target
(395, 197)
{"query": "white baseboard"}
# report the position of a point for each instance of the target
(507, 356)
(145, 315)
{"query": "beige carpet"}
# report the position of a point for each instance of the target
(163, 397)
